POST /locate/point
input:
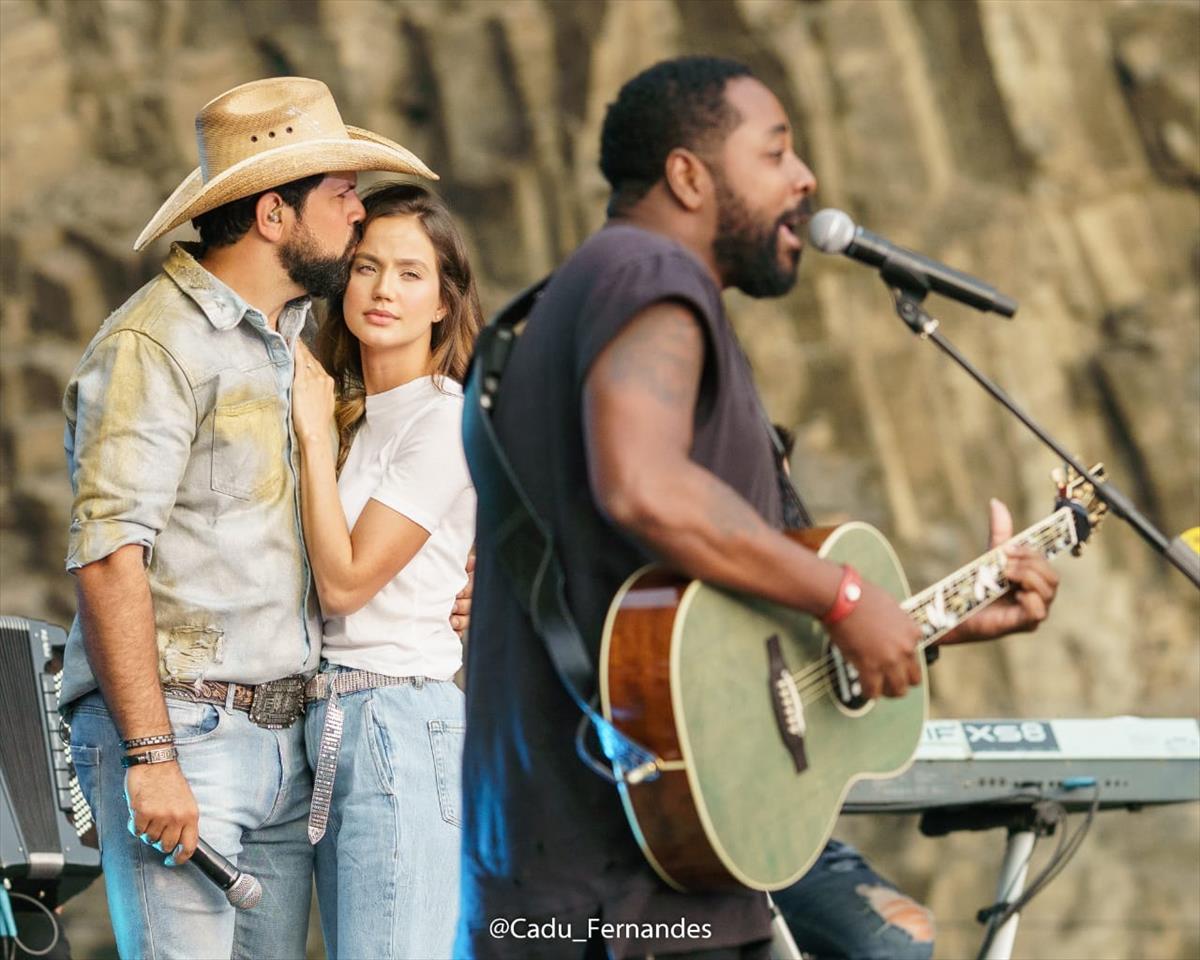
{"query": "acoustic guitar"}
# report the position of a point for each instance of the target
(758, 724)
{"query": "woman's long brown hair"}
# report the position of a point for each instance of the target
(452, 339)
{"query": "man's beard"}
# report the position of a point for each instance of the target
(317, 273)
(746, 250)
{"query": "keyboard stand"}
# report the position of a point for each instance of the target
(1017, 853)
(1024, 825)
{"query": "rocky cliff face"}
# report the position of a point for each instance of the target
(1051, 147)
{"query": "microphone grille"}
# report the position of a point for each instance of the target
(245, 892)
(831, 231)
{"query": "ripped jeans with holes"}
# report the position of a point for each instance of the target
(387, 868)
(843, 910)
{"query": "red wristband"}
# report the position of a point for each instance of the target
(849, 592)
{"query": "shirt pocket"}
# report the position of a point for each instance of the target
(248, 448)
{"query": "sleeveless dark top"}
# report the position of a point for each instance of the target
(543, 835)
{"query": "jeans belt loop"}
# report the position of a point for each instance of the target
(230, 693)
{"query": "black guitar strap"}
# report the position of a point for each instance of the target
(525, 547)
(795, 511)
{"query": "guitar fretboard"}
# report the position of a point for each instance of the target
(939, 608)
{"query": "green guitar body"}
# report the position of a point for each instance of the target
(755, 820)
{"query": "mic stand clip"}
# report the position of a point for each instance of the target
(909, 291)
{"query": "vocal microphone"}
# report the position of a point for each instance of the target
(241, 890)
(832, 231)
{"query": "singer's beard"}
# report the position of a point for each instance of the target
(318, 273)
(747, 250)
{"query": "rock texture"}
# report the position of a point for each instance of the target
(1051, 147)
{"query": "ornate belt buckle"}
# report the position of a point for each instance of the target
(277, 704)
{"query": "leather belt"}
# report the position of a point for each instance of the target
(274, 705)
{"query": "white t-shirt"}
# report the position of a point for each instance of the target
(408, 455)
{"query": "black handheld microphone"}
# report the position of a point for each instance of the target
(832, 231)
(241, 890)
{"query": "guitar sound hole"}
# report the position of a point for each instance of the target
(844, 681)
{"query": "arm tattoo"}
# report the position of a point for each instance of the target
(661, 352)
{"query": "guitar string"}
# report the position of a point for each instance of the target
(1040, 536)
(816, 679)
(818, 671)
(1041, 539)
(822, 683)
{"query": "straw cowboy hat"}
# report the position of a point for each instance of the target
(266, 133)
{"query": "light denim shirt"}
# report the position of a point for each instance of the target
(179, 437)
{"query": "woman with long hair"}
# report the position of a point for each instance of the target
(389, 515)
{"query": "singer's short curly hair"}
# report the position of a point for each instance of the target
(675, 103)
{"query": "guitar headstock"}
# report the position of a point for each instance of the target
(1079, 494)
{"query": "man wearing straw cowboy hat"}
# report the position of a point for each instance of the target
(197, 621)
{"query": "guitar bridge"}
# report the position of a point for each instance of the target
(787, 704)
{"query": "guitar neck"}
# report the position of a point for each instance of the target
(938, 609)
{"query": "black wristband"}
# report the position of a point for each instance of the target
(148, 741)
(161, 755)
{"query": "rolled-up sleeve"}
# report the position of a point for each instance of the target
(131, 420)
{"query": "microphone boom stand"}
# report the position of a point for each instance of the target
(909, 290)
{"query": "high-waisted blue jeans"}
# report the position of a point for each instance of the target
(387, 867)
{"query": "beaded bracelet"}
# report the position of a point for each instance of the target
(162, 755)
(148, 741)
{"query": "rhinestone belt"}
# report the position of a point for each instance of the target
(329, 686)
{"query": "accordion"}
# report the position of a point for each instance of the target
(47, 837)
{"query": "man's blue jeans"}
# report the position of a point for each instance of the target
(387, 867)
(843, 909)
(253, 787)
